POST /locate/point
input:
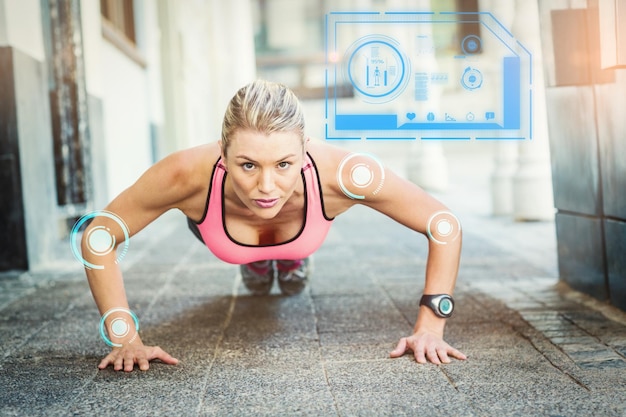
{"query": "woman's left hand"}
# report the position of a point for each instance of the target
(427, 346)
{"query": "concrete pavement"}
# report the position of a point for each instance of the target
(535, 348)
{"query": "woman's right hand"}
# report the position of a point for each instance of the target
(127, 356)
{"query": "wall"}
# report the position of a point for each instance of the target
(197, 53)
(587, 133)
(26, 133)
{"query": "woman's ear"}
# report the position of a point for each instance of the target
(222, 153)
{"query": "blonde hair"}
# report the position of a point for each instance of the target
(265, 107)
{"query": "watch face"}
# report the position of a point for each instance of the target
(446, 306)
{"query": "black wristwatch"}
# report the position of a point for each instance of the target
(441, 304)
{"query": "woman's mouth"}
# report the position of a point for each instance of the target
(266, 202)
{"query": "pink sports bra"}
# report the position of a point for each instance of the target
(212, 227)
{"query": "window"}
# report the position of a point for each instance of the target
(120, 14)
(118, 27)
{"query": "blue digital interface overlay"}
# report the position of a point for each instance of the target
(407, 87)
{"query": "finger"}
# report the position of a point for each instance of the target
(118, 365)
(432, 356)
(106, 361)
(400, 349)
(163, 356)
(457, 354)
(129, 361)
(143, 363)
(419, 353)
(443, 355)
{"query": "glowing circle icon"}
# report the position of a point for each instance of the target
(377, 68)
(360, 175)
(443, 227)
(100, 240)
(471, 78)
(119, 327)
(471, 44)
(119, 332)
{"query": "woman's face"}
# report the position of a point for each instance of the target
(264, 170)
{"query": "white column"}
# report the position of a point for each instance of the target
(175, 132)
(427, 165)
(4, 38)
(532, 183)
(505, 153)
(233, 62)
(505, 165)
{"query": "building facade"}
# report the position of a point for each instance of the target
(93, 93)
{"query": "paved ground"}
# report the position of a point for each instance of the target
(535, 348)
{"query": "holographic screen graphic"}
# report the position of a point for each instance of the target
(402, 84)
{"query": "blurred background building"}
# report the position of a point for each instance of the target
(94, 92)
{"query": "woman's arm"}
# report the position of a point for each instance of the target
(175, 182)
(411, 206)
(355, 178)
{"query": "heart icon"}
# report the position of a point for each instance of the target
(410, 116)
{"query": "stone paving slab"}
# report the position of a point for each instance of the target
(534, 347)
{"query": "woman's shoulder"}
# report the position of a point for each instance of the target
(187, 169)
(327, 157)
(187, 164)
(197, 156)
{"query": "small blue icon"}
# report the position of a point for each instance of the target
(430, 117)
(471, 44)
(471, 78)
(490, 115)
(410, 116)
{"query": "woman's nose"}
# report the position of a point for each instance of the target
(266, 182)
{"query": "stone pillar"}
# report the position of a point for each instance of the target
(532, 182)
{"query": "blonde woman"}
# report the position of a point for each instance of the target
(264, 197)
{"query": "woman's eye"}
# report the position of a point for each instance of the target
(284, 165)
(248, 166)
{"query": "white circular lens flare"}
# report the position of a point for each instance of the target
(120, 331)
(100, 241)
(119, 327)
(360, 175)
(443, 227)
